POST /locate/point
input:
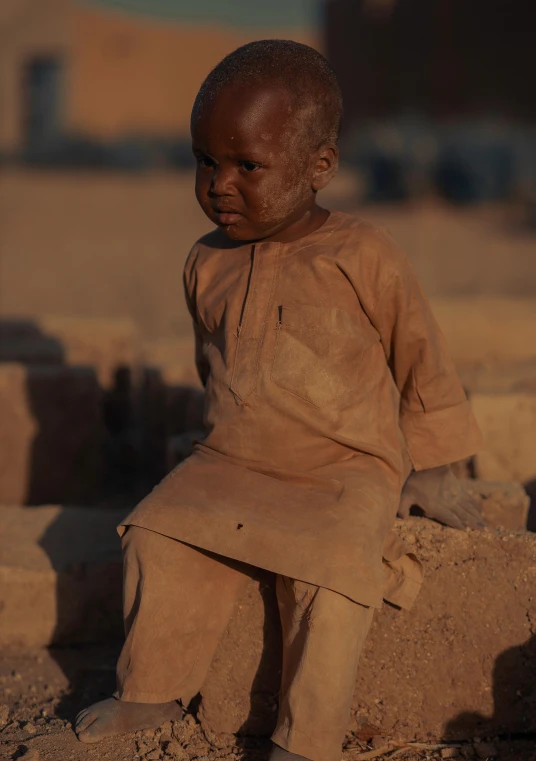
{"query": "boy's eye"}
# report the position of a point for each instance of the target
(249, 166)
(206, 161)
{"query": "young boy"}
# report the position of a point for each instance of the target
(323, 366)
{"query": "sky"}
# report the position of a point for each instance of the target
(298, 13)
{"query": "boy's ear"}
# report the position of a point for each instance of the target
(326, 163)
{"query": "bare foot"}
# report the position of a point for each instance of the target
(442, 497)
(115, 717)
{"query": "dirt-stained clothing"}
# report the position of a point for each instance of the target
(321, 360)
(169, 647)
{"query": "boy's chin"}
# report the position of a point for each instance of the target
(238, 232)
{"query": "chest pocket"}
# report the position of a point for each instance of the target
(319, 352)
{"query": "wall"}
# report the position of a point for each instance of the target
(139, 76)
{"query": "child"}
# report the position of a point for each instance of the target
(321, 362)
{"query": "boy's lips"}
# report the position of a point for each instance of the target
(227, 216)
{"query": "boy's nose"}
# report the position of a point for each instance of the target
(222, 184)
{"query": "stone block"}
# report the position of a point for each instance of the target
(51, 434)
(21, 340)
(487, 330)
(174, 359)
(104, 344)
(60, 576)
(508, 423)
(171, 405)
(461, 663)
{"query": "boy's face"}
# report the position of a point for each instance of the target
(256, 171)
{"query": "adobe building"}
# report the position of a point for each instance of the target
(103, 70)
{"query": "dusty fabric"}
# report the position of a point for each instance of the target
(322, 361)
(169, 647)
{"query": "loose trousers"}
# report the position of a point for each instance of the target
(177, 603)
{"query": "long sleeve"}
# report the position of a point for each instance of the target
(189, 282)
(435, 416)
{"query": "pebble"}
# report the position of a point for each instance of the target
(31, 755)
(176, 751)
(29, 727)
(4, 715)
(450, 753)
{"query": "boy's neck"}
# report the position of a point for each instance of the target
(308, 223)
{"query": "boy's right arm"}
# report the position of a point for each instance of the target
(189, 283)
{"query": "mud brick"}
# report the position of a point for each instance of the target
(51, 434)
(508, 422)
(487, 330)
(21, 340)
(104, 344)
(60, 576)
(174, 359)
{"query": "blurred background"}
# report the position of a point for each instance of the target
(97, 211)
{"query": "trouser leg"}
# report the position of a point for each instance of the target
(323, 635)
(177, 601)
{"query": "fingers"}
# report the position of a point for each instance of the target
(469, 513)
(446, 516)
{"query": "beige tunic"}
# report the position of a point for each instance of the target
(319, 358)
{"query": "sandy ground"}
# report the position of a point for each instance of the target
(113, 245)
(41, 691)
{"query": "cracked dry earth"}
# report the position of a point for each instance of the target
(42, 690)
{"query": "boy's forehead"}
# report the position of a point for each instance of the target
(261, 113)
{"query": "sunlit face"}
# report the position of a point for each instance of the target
(255, 176)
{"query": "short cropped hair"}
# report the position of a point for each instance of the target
(302, 70)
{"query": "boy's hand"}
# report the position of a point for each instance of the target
(442, 497)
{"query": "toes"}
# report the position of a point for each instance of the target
(80, 715)
(87, 737)
(86, 721)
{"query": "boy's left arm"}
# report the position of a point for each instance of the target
(435, 417)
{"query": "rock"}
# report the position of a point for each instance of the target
(4, 715)
(508, 422)
(32, 754)
(504, 504)
(51, 434)
(450, 753)
(461, 663)
(60, 576)
(175, 751)
(29, 728)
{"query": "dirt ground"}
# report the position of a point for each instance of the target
(41, 692)
(105, 245)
